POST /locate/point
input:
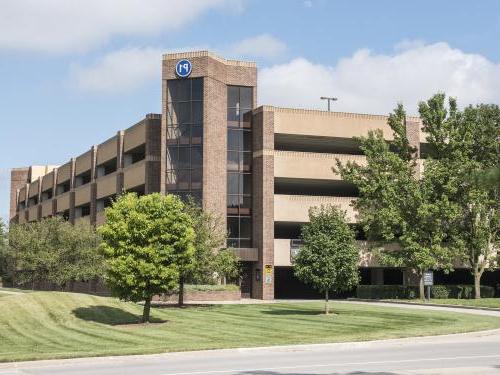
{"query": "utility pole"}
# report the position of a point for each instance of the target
(329, 99)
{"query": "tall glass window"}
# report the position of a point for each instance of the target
(239, 166)
(185, 137)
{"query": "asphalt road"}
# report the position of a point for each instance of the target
(473, 353)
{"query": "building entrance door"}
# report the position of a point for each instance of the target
(246, 280)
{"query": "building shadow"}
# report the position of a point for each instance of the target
(109, 315)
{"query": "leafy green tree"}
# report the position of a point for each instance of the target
(76, 253)
(211, 262)
(399, 204)
(53, 250)
(147, 242)
(465, 147)
(4, 255)
(328, 260)
(31, 252)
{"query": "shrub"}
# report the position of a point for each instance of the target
(211, 288)
(411, 292)
(386, 292)
(440, 291)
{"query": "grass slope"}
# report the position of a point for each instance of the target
(43, 325)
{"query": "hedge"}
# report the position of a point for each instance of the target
(411, 292)
(210, 288)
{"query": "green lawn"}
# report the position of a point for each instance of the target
(5, 292)
(43, 325)
(482, 302)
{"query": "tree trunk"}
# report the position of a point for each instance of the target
(477, 284)
(181, 292)
(327, 311)
(147, 309)
(421, 288)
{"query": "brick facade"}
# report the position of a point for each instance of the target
(263, 201)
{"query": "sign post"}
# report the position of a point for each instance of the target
(428, 282)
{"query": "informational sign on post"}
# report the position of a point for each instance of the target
(428, 278)
(428, 282)
(268, 274)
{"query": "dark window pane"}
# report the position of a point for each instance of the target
(245, 205)
(196, 178)
(245, 243)
(197, 89)
(196, 157)
(234, 139)
(246, 121)
(172, 157)
(232, 160)
(247, 183)
(183, 177)
(247, 141)
(197, 195)
(233, 96)
(172, 135)
(232, 183)
(196, 134)
(233, 201)
(246, 99)
(232, 227)
(184, 157)
(246, 161)
(233, 117)
(184, 134)
(245, 227)
(179, 113)
(197, 108)
(171, 180)
(178, 90)
(232, 242)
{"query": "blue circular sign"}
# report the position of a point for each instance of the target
(183, 68)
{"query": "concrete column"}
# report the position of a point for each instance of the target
(153, 154)
(93, 185)
(54, 187)
(72, 193)
(39, 199)
(119, 161)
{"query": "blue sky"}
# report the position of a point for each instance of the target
(72, 73)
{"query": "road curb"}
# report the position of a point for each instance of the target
(424, 304)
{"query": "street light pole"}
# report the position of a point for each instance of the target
(329, 99)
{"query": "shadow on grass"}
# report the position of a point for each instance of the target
(168, 305)
(110, 315)
(294, 312)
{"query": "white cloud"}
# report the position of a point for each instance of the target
(126, 69)
(119, 71)
(73, 25)
(368, 82)
(264, 46)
